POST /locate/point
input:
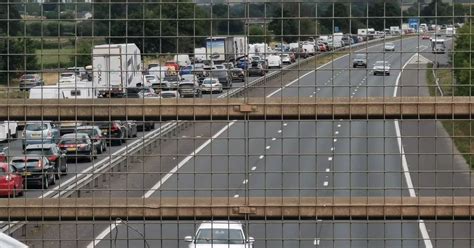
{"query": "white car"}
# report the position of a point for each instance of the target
(285, 59)
(274, 61)
(215, 234)
(67, 77)
(150, 80)
(170, 94)
(389, 47)
(381, 67)
(210, 85)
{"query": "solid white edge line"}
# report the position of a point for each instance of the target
(406, 171)
(158, 185)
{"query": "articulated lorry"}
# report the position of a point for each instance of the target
(116, 67)
(226, 49)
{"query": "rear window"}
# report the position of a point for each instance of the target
(41, 152)
(28, 77)
(36, 127)
(90, 132)
(168, 95)
(28, 163)
(74, 141)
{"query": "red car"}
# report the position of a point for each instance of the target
(425, 37)
(11, 183)
(322, 47)
(172, 64)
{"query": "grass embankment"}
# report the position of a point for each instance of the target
(461, 131)
(54, 58)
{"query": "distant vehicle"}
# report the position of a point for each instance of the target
(78, 146)
(381, 67)
(11, 182)
(423, 27)
(199, 54)
(66, 127)
(186, 70)
(114, 132)
(243, 63)
(450, 31)
(220, 233)
(116, 67)
(29, 81)
(182, 60)
(210, 85)
(3, 153)
(172, 64)
(309, 49)
(65, 90)
(35, 170)
(223, 76)
(274, 61)
(9, 242)
(159, 71)
(170, 94)
(55, 156)
(337, 40)
(226, 49)
(257, 69)
(94, 132)
(8, 129)
(366, 33)
(40, 132)
(438, 46)
(68, 77)
(171, 82)
(149, 80)
(425, 37)
(395, 30)
(141, 92)
(237, 74)
(79, 71)
(359, 60)
(190, 88)
(389, 47)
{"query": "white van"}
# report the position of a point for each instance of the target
(46, 92)
(309, 49)
(159, 71)
(199, 54)
(182, 59)
(79, 90)
(337, 40)
(274, 61)
(8, 129)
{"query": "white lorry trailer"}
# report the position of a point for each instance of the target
(226, 49)
(116, 67)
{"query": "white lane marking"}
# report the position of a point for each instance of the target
(310, 95)
(328, 170)
(335, 140)
(330, 159)
(316, 242)
(332, 148)
(336, 133)
(254, 168)
(273, 139)
(285, 124)
(236, 196)
(261, 157)
(279, 131)
(406, 171)
(245, 181)
(268, 147)
(338, 125)
(158, 185)
(326, 183)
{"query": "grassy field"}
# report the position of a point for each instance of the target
(50, 58)
(461, 131)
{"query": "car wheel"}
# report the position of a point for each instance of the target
(64, 172)
(354, 66)
(99, 150)
(57, 175)
(375, 73)
(18, 192)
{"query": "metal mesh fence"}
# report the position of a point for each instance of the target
(114, 53)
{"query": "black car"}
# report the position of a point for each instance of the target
(55, 156)
(78, 146)
(35, 170)
(114, 132)
(256, 68)
(223, 76)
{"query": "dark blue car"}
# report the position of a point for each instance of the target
(243, 64)
(186, 70)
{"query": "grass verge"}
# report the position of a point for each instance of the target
(461, 131)
(54, 58)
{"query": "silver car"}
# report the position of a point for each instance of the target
(29, 81)
(40, 132)
(381, 67)
(210, 85)
(389, 47)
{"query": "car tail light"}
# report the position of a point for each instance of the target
(49, 134)
(39, 164)
(8, 178)
(52, 158)
(115, 127)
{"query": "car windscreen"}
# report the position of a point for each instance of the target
(89, 132)
(208, 81)
(78, 140)
(168, 95)
(219, 236)
(360, 56)
(36, 127)
(39, 151)
(171, 78)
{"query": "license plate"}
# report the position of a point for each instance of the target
(26, 173)
(71, 149)
(35, 135)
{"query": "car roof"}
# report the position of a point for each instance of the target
(26, 157)
(221, 225)
(36, 122)
(75, 135)
(37, 146)
(86, 127)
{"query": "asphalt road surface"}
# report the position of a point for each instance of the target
(303, 158)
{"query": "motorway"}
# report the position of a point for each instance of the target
(296, 158)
